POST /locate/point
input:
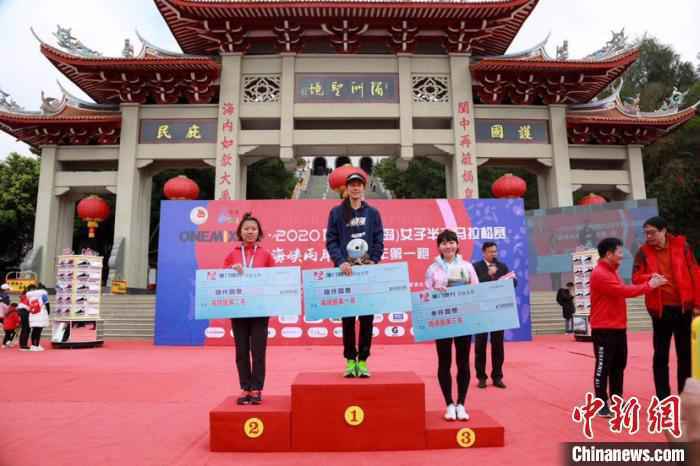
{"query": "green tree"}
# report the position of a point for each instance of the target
(19, 183)
(658, 70)
(424, 179)
(268, 179)
(672, 163)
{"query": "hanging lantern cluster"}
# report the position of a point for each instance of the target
(93, 210)
(509, 186)
(336, 180)
(181, 188)
(592, 199)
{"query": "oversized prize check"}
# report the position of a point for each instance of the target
(464, 310)
(273, 291)
(371, 289)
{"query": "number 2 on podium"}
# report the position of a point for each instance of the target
(253, 427)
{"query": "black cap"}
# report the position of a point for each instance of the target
(355, 177)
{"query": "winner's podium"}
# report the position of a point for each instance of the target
(327, 412)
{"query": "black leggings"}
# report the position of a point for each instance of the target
(361, 350)
(9, 336)
(36, 335)
(444, 351)
(25, 330)
(250, 335)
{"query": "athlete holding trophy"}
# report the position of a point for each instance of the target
(355, 236)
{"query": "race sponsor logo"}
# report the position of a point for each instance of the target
(317, 332)
(199, 215)
(394, 331)
(378, 318)
(292, 332)
(312, 321)
(398, 317)
(375, 331)
(338, 332)
(288, 319)
(271, 332)
(214, 332)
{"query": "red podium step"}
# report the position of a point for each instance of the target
(484, 431)
(390, 406)
(250, 428)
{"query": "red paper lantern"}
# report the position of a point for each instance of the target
(336, 180)
(181, 188)
(509, 186)
(592, 199)
(93, 210)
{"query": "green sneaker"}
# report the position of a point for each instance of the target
(350, 369)
(362, 370)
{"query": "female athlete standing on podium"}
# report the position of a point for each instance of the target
(355, 236)
(449, 269)
(250, 333)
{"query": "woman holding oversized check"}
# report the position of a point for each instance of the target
(449, 269)
(355, 236)
(250, 333)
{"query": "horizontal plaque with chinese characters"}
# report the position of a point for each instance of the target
(348, 88)
(512, 131)
(178, 131)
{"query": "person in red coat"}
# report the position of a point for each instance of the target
(671, 306)
(609, 319)
(250, 333)
(10, 324)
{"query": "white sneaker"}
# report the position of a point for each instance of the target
(451, 413)
(462, 413)
(36, 348)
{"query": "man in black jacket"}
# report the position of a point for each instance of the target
(490, 269)
(565, 298)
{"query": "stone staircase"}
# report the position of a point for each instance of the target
(317, 188)
(125, 317)
(131, 317)
(547, 319)
(128, 316)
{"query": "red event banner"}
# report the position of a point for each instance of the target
(200, 234)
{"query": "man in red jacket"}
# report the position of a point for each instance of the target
(609, 319)
(672, 306)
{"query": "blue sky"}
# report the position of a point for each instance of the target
(104, 24)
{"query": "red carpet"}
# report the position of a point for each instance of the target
(136, 404)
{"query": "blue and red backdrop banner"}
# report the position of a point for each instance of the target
(200, 234)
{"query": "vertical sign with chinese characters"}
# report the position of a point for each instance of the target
(466, 185)
(463, 170)
(227, 161)
(227, 142)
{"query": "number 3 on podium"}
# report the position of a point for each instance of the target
(253, 427)
(466, 437)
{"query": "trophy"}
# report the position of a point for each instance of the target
(357, 252)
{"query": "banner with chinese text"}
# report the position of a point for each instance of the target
(200, 234)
